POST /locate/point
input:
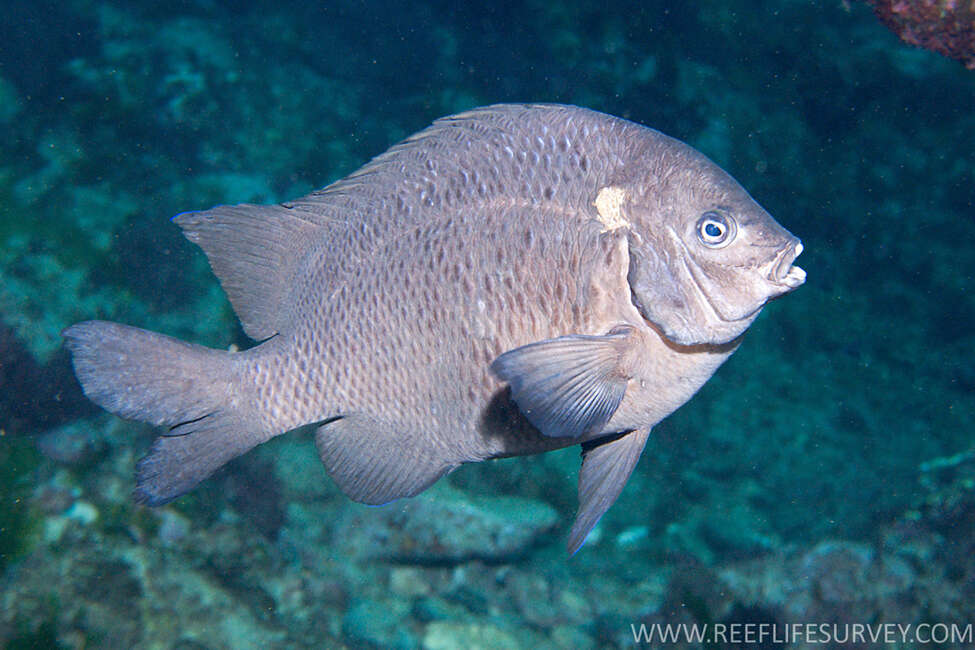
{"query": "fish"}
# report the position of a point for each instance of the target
(511, 280)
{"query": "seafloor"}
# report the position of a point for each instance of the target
(825, 475)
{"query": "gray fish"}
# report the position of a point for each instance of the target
(509, 281)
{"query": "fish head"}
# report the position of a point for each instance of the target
(704, 256)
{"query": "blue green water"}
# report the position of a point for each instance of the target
(826, 474)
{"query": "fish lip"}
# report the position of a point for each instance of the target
(783, 273)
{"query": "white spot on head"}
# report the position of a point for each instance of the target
(609, 206)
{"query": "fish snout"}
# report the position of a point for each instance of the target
(783, 272)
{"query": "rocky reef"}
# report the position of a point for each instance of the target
(825, 474)
(447, 570)
(943, 26)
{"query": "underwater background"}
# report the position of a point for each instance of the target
(826, 474)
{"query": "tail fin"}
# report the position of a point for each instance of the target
(146, 376)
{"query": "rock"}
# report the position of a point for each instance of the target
(433, 608)
(445, 526)
(78, 443)
(114, 592)
(839, 571)
(408, 582)
(173, 527)
(375, 624)
(468, 636)
(566, 636)
(947, 28)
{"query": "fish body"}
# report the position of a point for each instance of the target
(509, 281)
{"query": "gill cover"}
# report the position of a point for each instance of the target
(705, 279)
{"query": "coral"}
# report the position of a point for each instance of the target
(943, 26)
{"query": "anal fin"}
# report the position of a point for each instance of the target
(606, 466)
(375, 463)
(569, 386)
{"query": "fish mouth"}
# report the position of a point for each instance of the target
(783, 274)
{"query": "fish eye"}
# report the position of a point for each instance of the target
(716, 230)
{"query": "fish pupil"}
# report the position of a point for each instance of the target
(712, 230)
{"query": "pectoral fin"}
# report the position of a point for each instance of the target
(606, 466)
(569, 386)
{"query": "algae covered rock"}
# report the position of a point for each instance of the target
(469, 636)
(445, 526)
(374, 624)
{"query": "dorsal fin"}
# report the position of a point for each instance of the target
(253, 250)
(462, 145)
